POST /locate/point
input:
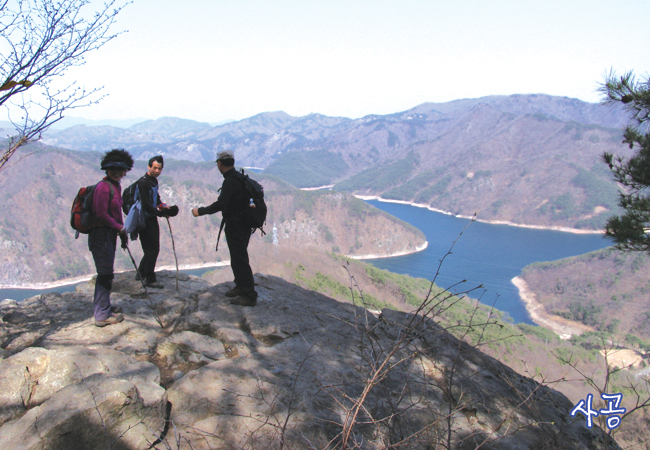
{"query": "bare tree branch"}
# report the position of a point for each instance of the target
(39, 41)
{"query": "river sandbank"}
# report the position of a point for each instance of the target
(419, 248)
(559, 325)
(84, 278)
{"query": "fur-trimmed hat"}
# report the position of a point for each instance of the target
(117, 158)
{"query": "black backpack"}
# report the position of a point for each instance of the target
(254, 213)
(128, 197)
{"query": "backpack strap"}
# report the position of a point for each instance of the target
(242, 178)
(111, 193)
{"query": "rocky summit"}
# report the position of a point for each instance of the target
(189, 370)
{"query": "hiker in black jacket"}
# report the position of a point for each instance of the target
(153, 208)
(231, 202)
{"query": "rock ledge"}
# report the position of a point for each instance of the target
(188, 370)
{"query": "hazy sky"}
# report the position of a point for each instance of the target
(213, 60)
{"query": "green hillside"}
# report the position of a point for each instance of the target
(308, 169)
(606, 289)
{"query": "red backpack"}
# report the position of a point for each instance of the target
(82, 218)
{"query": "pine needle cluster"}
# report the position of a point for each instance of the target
(631, 230)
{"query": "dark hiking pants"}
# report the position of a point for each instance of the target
(102, 243)
(150, 241)
(237, 239)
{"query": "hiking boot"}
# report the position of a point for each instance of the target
(244, 300)
(234, 292)
(154, 284)
(111, 320)
(116, 309)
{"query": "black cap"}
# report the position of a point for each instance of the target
(115, 165)
(117, 158)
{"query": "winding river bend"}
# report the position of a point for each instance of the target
(486, 254)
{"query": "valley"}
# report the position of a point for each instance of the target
(521, 159)
(39, 245)
(529, 161)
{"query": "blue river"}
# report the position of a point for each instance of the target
(486, 254)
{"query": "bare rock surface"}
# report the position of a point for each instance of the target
(187, 369)
(98, 412)
(34, 375)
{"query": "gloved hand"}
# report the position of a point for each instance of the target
(124, 238)
(172, 211)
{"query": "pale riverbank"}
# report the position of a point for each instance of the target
(559, 325)
(621, 357)
(320, 188)
(493, 222)
(84, 278)
(419, 248)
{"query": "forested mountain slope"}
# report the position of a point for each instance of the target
(527, 159)
(606, 289)
(38, 243)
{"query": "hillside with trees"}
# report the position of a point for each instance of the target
(606, 289)
(39, 246)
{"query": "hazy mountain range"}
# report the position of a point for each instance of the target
(528, 159)
(262, 139)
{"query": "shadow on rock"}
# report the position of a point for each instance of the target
(299, 370)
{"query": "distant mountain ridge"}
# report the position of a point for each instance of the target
(530, 159)
(278, 132)
(170, 127)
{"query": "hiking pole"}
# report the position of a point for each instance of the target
(173, 248)
(149, 300)
(126, 246)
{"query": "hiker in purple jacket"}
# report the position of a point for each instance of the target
(102, 240)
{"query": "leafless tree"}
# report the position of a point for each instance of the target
(39, 41)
